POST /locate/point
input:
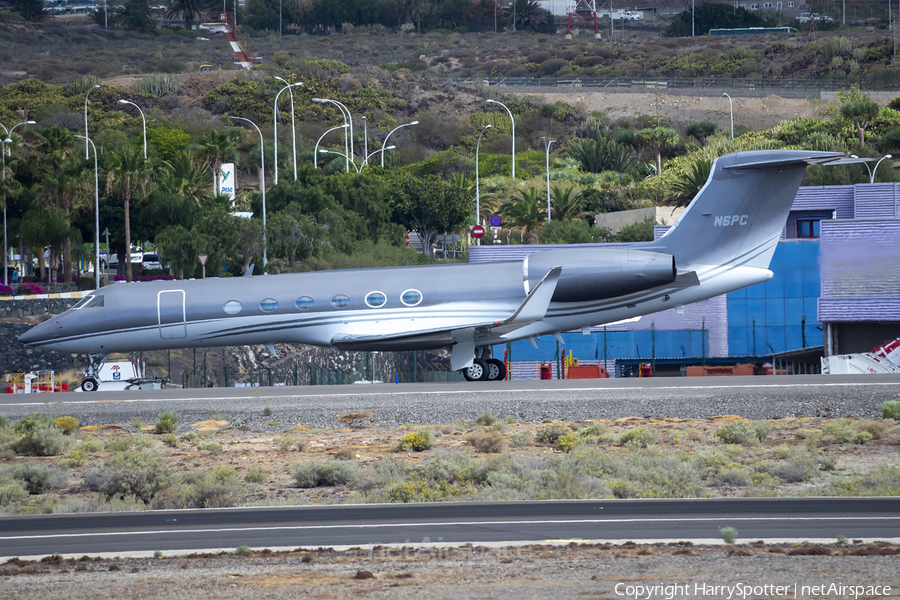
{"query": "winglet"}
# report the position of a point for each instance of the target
(534, 307)
(249, 272)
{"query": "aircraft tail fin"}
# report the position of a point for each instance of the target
(739, 214)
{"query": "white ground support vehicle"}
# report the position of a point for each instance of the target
(883, 359)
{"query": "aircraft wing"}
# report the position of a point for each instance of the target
(461, 338)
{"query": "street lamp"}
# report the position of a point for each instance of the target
(362, 165)
(731, 112)
(866, 161)
(365, 136)
(287, 87)
(144, 119)
(513, 121)
(548, 144)
(85, 120)
(262, 169)
(316, 151)
(382, 150)
(6, 141)
(348, 148)
(389, 135)
(97, 219)
(477, 192)
(293, 125)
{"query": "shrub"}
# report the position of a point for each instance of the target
(891, 410)
(5, 290)
(268, 412)
(878, 429)
(331, 473)
(257, 475)
(4, 421)
(37, 478)
(30, 289)
(417, 441)
(167, 421)
(120, 443)
(30, 422)
(550, 434)
(841, 431)
(344, 454)
(491, 442)
(284, 442)
(486, 419)
(11, 493)
(170, 439)
(74, 459)
(596, 433)
(139, 473)
(520, 438)
(44, 440)
(729, 534)
(191, 437)
(641, 436)
(350, 417)
(158, 85)
(565, 443)
(741, 432)
(211, 446)
(412, 491)
(80, 86)
(218, 489)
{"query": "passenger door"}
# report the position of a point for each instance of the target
(171, 313)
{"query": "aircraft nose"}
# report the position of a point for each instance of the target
(40, 333)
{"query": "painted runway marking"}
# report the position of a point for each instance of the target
(447, 523)
(466, 391)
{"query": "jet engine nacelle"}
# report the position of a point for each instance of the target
(595, 274)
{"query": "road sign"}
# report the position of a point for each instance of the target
(496, 221)
(478, 231)
(407, 239)
(203, 258)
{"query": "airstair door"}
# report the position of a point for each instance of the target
(171, 312)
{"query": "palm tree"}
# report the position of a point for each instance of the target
(54, 146)
(65, 191)
(525, 214)
(129, 177)
(601, 154)
(41, 228)
(190, 10)
(566, 203)
(218, 146)
(187, 177)
(689, 184)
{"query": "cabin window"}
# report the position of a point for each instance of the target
(411, 297)
(82, 302)
(340, 301)
(268, 305)
(375, 299)
(232, 307)
(808, 228)
(96, 302)
(305, 302)
(790, 5)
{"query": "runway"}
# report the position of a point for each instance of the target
(452, 523)
(527, 401)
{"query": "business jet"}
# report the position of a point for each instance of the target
(723, 241)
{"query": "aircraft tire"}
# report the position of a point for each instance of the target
(477, 372)
(496, 369)
(89, 385)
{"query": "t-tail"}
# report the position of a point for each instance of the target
(737, 217)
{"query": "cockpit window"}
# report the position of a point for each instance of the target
(82, 302)
(96, 302)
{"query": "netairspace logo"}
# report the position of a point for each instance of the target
(745, 591)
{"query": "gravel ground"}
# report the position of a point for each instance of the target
(509, 573)
(528, 402)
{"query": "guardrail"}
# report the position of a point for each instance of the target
(644, 83)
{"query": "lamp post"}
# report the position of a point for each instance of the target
(513, 121)
(389, 135)
(365, 137)
(477, 191)
(97, 219)
(382, 151)
(692, 18)
(865, 162)
(287, 87)
(262, 169)
(7, 140)
(362, 165)
(731, 112)
(316, 151)
(85, 136)
(547, 147)
(348, 147)
(144, 119)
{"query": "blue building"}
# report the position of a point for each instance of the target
(836, 287)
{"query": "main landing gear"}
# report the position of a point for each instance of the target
(485, 367)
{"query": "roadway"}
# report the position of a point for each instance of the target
(771, 519)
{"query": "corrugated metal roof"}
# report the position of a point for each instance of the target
(860, 257)
(880, 308)
(875, 200)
